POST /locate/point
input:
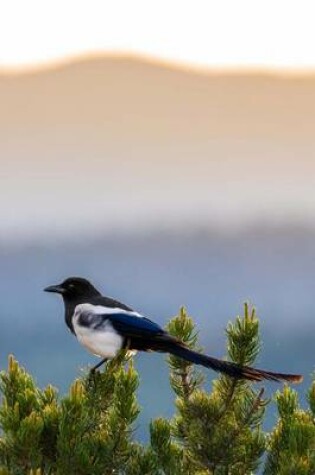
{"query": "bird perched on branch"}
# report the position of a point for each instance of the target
(105, 326)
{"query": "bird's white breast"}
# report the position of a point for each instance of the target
(104, 342)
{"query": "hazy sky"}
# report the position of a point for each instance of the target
(118, 141)
(203, 32)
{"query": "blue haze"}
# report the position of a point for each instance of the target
(212, 274)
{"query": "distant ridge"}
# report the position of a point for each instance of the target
(225, 102)
(80, 58)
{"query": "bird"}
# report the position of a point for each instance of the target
(105, 326)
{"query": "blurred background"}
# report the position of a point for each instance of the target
(168, 155)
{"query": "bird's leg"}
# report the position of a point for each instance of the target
(98, 365)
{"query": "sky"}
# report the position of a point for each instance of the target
(206, 33)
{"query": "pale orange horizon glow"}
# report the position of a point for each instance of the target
(200, 69)
(201, 34)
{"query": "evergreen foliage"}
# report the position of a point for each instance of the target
(90, 431)
(291, 445)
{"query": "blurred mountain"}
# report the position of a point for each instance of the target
(120, 143)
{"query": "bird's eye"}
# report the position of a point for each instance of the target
(71, 286)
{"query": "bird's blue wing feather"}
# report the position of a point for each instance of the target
(128, 324)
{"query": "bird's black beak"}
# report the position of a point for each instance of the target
(57, 289)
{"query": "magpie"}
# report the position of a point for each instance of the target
(105, 326)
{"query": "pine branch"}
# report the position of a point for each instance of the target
(232, 408)
(184, 378)
(291, 447)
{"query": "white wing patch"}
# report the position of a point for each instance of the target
(102, 310)
(104, 342)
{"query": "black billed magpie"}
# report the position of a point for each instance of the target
(105, 326)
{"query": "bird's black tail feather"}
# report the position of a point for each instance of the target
(231, 369)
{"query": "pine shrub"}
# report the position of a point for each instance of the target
(90, 431)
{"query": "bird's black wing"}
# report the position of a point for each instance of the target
(130, 324)
(140, 333)
(126, 323)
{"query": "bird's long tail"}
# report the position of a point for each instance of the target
(231, 369)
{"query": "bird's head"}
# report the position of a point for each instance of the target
(74, 288)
